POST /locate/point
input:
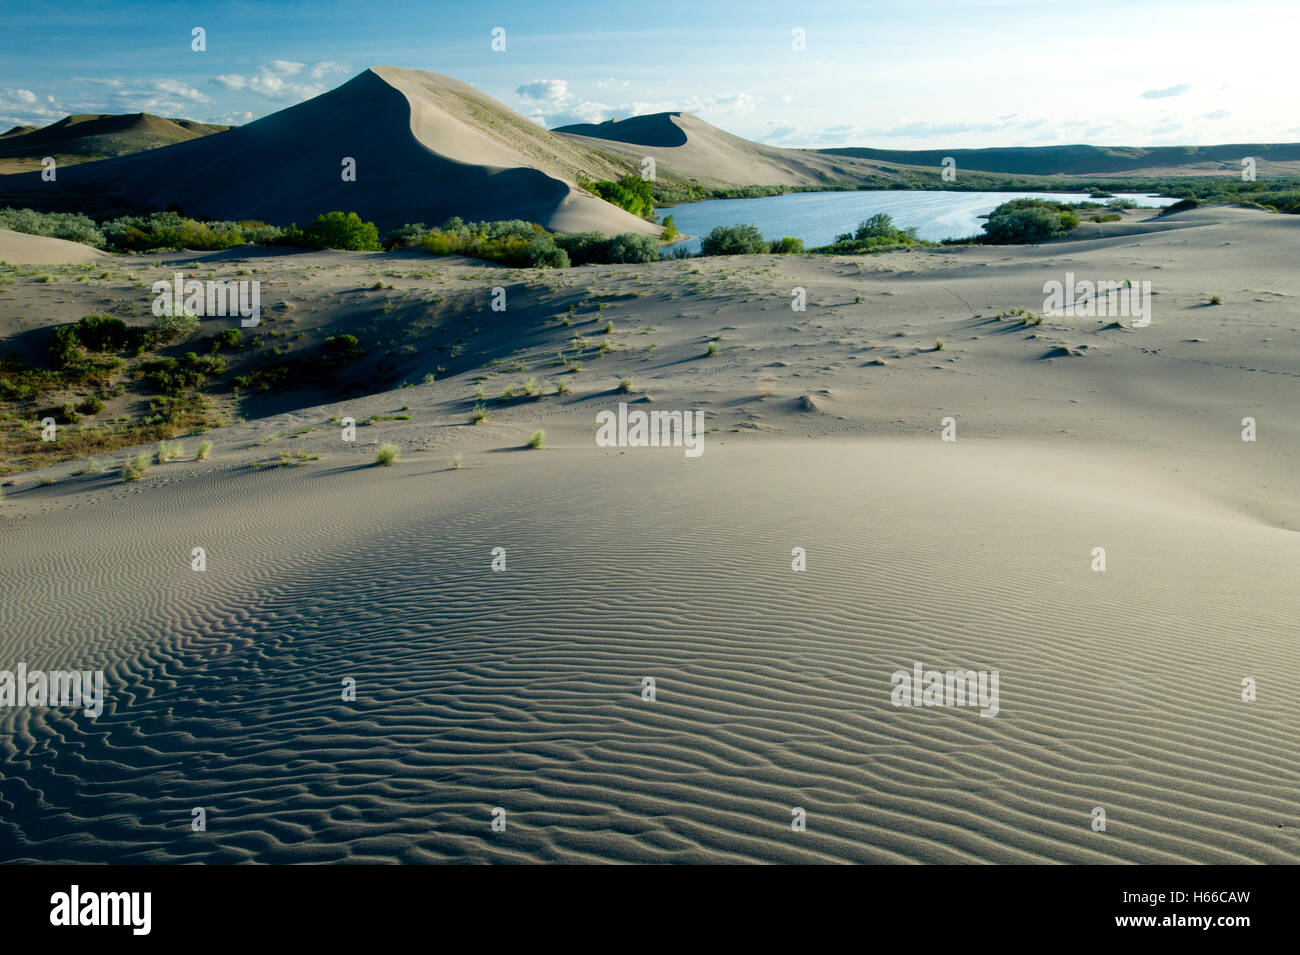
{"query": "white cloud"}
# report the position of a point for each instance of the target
(273, 80)
(547, 91)
(1178, 90)
(325, 68)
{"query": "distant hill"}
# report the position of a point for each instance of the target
(688, 149)
(86, 137)
(1083, 160)
(426, 148)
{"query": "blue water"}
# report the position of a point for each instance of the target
(818, 217)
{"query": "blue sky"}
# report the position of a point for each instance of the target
(914, 74)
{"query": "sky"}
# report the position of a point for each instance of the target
(913, 74)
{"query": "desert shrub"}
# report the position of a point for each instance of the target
(629, 247)
(1107, 217)
(509, 242)
(341, 350)
(170, 230)
(536, 440)
(230, 338)
(630, 192)
(1028, 220)
(169, 450)
(787, 245)
(173, 377)
(204, 447)
(1181, 206)
(103, 333)
(734, 240)
(91, 406)
(173, 326)
(65, 347)
(71, 226)
(338, 230)
(387, 454)
(411, 234)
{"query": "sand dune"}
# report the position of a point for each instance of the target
(426, 148)
(689, 148)
(522, 689)
(18, 248)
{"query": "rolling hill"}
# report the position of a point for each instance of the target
(89, 136)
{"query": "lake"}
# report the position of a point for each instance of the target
(817, 217)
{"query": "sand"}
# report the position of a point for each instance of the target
(18, 248)
(521, 689)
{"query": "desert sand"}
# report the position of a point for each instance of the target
(522, 689)
(17, 248)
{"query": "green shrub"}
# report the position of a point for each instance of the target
(204, 447)
(787, 245)
(536, 440)
(338, 230)
(73, 227)
(387, 454)
(734, 240)
(173, 326)
(103, 333)
(1181, 206)
(65, 347)
(91, 406)
(341, 350)
(1022, 221)
(630, 192)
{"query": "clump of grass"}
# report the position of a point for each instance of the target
(609, 328)
(478, 391)
(1216, 299)
(536, 440)
(711, 350)
(387, 454)
(562, 387)
(134, 467)
(479, 415)
(457, 462)
(204, 448)
(169, 450)
(47, 479)
(626, 385)
(508, 393)
(530, 388)
(938, 344)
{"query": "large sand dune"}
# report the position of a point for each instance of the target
(426, 148)
(522, 689)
